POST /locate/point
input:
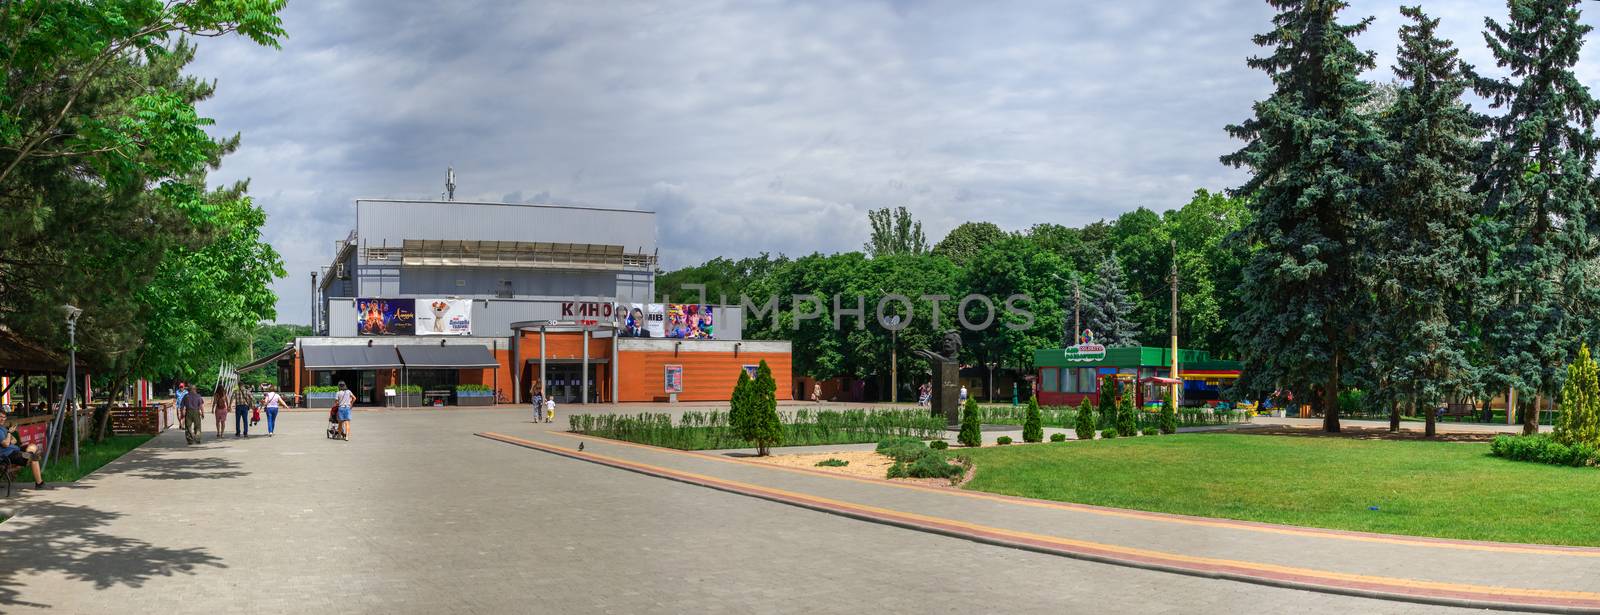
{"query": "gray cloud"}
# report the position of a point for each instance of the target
(750, 126)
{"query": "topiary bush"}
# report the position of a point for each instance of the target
(938, 445)
(1058, 437)
(1108, 434)
(1541, 448)
(1033, 424)
(1579, 421)
(1109, 392)
(1169, 416)
(1084, 426)
(832, 463)
(971, 425)
(1003, 440)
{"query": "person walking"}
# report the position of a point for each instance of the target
(345, 399)
(219, 408)
(193, 409)
(816, 392)
(241, 418)
(963, 395)
(538, 406)
(272, 401)
(549, 410)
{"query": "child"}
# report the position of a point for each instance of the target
(549, 410)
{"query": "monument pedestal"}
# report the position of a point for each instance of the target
(947, 391)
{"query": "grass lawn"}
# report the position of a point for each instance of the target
(1451, 490)
(90, 456)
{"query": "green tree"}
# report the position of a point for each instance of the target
(740, 407)
(964, 242)
(1082, 248)
(1107, 307)
(1015, 266)
(1110, 393)
(1417, 257)
(1127, 416)
(894, 233)
(1084, 425)
(971, 433)
(1208, 259)
(1579, 422)
(1536, 180)
(1313, 158)
(1032, 423)
(1169, 416)
(726, 280)
(766, 428)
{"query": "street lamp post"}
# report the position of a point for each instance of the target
(991, 365)
(894, 358)
(69, 394)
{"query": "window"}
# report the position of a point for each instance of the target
(1069, 380)
(504, 291)
(1051, 378)
(1086, 380)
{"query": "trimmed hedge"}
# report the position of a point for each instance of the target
(1542, 449)
(1003, 440)
(1058, 437)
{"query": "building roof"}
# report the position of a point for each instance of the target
(351, 357)
(436, 356)
(18, 354)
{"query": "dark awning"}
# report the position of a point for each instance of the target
(462, 356)
(350, 357)
(592, 361)
(266, 360)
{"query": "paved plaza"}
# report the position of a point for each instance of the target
(417, 514)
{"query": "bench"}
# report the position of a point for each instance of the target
(1456, 410)
(10, 471)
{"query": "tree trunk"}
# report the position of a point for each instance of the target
(1394, 416)
(102, 422)
(1530, 419)
(1330, 416)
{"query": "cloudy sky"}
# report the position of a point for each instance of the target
(750, 126)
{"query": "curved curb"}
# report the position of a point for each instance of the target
(1233, 524)
(1405, 590)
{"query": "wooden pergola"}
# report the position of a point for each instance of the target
(21, 361)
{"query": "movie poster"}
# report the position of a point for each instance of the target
(690, 321)
(386, 317)
(673, 378)
(642, 320)
(444, 317)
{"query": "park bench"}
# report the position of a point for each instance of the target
(9, 471)
(1457, 410)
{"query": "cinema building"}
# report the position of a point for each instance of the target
(468, 302)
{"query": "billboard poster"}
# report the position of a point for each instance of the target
(642, 320)
(386, 316)
(690, 321)
(674, 378)
(752, 370)
(444, 317)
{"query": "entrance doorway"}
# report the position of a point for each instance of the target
(363, 383)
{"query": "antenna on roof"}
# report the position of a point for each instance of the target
(450, 183)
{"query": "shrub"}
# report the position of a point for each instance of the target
(1169, 416)
(1127, 417)
(930, 466)
(408, 389)
(470, 388)
(1543, 449)
(1058, 437)
(1579, 421)
(971, 428)
(1033, 425)
(1003, 440)
(938, 445)
(1084, 426)
(1150, 430)
(903, 449)
(832, 463)
(1352, 402)
(1108, 433)
(321, 389)
(1109, 391)
(899, 470)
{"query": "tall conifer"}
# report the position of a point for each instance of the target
(1316, 163)
(1109, 307)
(1539, 205)
(1418, 259)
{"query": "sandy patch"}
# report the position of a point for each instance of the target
(865, 464)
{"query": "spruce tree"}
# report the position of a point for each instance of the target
(1418, 259)
(739, 407)
(1169, 416)
(1536, 181)
(1083, 426)
(971, 425)
(1315, 160)
(1109, 307)
(1032, 423)
(1579, 422)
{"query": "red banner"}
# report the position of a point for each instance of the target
(33, 434)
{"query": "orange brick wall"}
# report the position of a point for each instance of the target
(707, 376)
(564, 345)
(487, 376)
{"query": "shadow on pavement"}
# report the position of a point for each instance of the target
(68, 540)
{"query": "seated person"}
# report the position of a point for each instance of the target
(18, 455)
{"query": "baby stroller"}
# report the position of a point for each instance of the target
(333, 424)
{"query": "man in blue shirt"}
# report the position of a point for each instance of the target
(17, 455)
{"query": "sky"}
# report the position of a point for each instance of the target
(752, 127)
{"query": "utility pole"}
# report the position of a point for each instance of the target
(314, 329)
(1175, 322)
(1077, 312)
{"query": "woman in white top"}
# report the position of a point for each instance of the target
(272, 401)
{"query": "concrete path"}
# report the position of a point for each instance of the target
(418, 515)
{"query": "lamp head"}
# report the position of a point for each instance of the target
(71, 312)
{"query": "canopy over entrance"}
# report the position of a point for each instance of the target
(451, 357)
(351, 357)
